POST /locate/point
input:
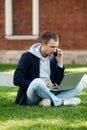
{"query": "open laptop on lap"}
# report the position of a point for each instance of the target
(69, 81)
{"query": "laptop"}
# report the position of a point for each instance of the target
(69, 81)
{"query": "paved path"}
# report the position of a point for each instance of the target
(6, 79)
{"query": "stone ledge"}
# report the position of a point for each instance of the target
(70, 57)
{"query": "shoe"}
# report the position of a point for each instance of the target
(45, 102)
(72, 101)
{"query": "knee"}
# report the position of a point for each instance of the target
(38, 81)
(35, 84)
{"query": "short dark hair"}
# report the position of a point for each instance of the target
(46, 36)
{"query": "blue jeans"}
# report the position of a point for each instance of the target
(37, 91)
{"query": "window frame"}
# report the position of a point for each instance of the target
(9, 22)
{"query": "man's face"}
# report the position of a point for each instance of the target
(51, 47)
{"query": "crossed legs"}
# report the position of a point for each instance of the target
(37, 91)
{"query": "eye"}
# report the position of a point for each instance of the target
(53, 47)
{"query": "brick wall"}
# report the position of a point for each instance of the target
(68, 18)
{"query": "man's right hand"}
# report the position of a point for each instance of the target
(49, 83)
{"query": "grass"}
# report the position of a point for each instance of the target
(7, 67)
(68, 68)
(76, 67)
(15, 117)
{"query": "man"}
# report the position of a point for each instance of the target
(39, 68)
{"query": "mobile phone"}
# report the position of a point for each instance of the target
(55, 53)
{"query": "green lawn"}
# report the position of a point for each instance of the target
(73, 68)
(68, 68)
(15, 117)
(7, 67)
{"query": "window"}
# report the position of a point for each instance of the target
(9, 22)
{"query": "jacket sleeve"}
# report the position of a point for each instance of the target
(57, 73)
(20, 73)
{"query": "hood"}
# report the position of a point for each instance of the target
(35, 50)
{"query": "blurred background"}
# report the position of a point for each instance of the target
(22, 22)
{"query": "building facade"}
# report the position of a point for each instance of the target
(22, 21)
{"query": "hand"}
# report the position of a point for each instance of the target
(48, 83)
(59, 58)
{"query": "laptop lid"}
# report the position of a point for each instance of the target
(70, 81)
